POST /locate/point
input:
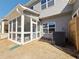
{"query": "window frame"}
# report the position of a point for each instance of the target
(47, 4)
(32, 7)
(50, 2)
(48, 28)
(43, 2)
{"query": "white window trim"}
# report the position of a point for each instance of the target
(22, 29)
(48, 27)
(46, 4)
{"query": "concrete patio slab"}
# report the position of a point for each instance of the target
(33, 50)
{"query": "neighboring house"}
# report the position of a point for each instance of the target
(38, 18)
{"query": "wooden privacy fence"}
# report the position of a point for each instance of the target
(74, 32)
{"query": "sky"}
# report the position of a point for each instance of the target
(7, 5)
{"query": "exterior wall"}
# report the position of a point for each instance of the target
(60, 6)
(61, 22)
(76, 6)
(37, 7)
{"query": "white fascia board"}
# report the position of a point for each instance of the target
(24, 8)
(29, 9)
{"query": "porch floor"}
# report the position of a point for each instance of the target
(32, 50)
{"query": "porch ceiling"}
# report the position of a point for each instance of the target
(18, 10)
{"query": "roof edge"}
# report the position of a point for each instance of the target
(31, 3)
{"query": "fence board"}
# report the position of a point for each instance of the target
(74, 32)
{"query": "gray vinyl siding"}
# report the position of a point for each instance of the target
(61, 22)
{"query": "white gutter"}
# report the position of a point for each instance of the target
(28, 9)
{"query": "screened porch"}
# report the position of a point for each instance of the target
(24, 29)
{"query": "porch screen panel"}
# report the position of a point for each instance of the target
(27, 28)
(19, 37)
(26, 37)
(10, 35)
(34, 30)
(14, 36)
(38, 32)
(19, 24)
(14, 25)
(10, 25)
(26, 24)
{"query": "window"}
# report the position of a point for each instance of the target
(43, 4)
(49, 27)
(46, 3)
(50, 3)
(31, 7)
(43, 1)
(45, 28)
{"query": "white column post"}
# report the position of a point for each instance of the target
(48, 28)
(2, 27)
(8, 30)
(31, 28)
(16, 29)
(22, 29)
(36, 29)
(11, 29)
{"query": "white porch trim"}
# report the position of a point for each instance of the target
(22, 29)
(2, 26)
